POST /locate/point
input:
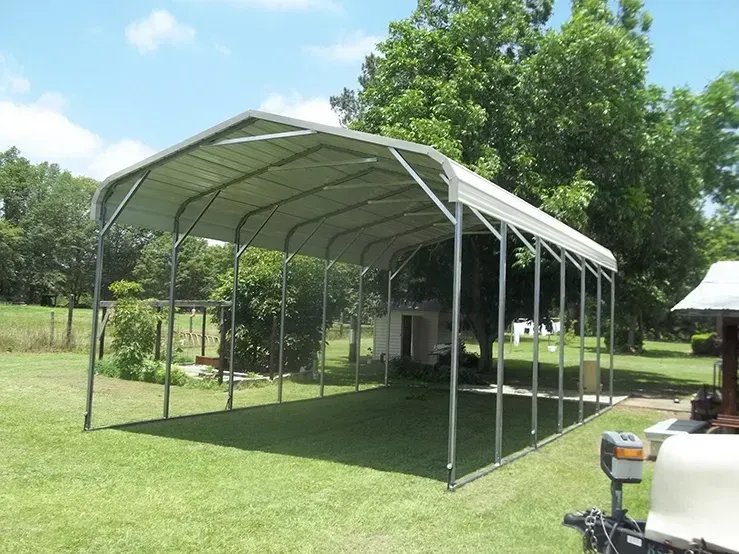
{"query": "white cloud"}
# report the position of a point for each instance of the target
(117, 156)
(316, 108)
(12, 80)
(350, 47)
(222, 49)
(43, 133)
(160, 27)
(52, 101)
(284, 5)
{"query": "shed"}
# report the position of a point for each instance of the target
(415, 330)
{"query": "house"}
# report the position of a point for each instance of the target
(415, 330)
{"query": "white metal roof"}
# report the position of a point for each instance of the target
(717, 294)
(312, 172)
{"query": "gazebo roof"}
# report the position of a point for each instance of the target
(717, 294)
(325, 184)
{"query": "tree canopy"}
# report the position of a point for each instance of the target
(566, 119)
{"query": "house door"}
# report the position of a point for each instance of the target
(406, 336)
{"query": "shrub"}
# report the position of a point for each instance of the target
(149, 372)
(621, 337)
(134, 329)
(107, 367)
(706, 344)
(407, 368)
(466, 359)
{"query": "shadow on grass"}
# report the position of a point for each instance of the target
(402, 430)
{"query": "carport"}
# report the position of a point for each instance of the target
(294, 186)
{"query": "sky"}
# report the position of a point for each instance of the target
(99, 85)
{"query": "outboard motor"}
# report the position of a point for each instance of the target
(684, 462)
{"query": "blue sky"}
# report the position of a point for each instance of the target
(97, 85)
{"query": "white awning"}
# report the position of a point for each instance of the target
(312, 174)
(717, 294)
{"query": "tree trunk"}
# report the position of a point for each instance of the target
(632, 332)
(70, 315)
(486, 353)
(475, 315)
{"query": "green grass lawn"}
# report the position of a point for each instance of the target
(348, 473)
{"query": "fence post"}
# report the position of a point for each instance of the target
(158, 343)
(51, 329)
(221, 347)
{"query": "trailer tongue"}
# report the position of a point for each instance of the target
(693, 507)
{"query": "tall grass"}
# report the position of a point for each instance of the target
(29, 329)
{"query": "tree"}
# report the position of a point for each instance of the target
(259, 298)
(564, 119)
(199, 267)
(447, 77)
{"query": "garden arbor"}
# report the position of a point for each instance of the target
(279, 183)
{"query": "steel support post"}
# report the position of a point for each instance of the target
(535, 362)
(581, 385)
(389, 319)
(239, 250)
(170, 316)
(324, 336)
(95, 310)
(358, 339)
(177, 240)
(232, 344)
(598, 311)
(103, 227)
(283, 301)
(502, 267)
(561, 372)
(612, 335)
(456, 290)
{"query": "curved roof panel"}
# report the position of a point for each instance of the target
(317, 186)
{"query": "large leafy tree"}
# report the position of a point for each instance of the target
(448, 76)
(199, 267)
(258, 304)
(565, 119)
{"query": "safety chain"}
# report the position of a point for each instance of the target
(589, 539)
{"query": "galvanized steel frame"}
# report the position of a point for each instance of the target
(393, 270)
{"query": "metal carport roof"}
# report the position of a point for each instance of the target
(314, 173)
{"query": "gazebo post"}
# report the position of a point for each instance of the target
(502, 267)
(598, 311)
(562, 307)
(202, 331)
(612, 335)
(103, 227)
(535, 363)
(581, 386)
(729, 366)
(456, 291)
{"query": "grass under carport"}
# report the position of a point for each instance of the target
(359, 473)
